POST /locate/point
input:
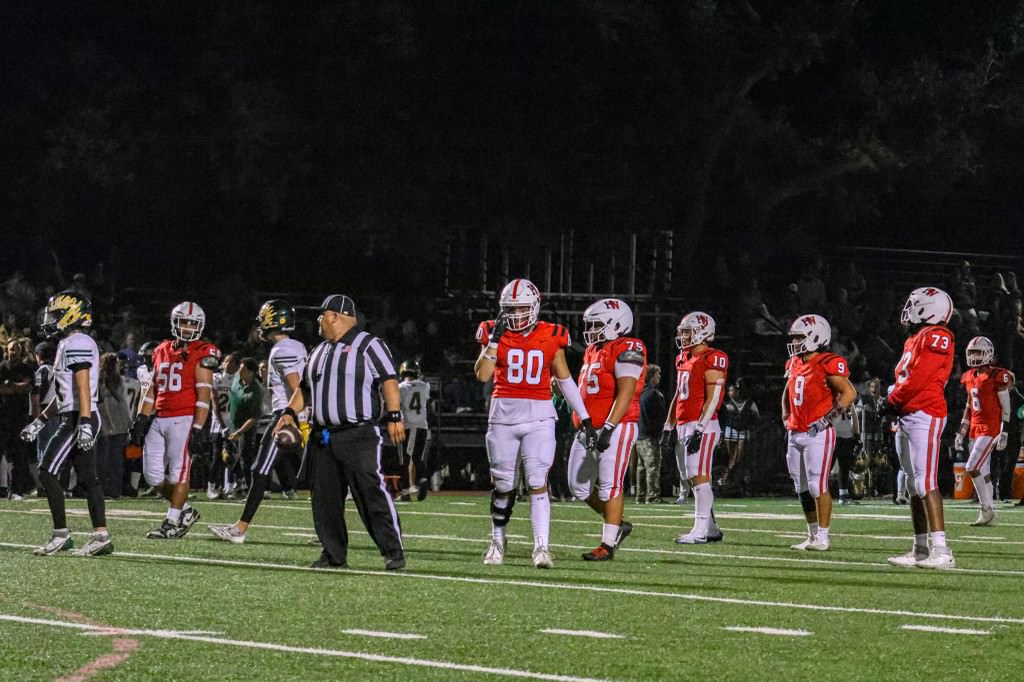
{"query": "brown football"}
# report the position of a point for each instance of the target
(288, 437)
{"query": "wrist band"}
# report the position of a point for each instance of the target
(202, 403)
(290, 412)
(42, 417)
(393, 416)
(492, 358)
(492, 346)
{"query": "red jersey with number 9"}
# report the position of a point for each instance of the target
(983, 385)
(922, 372)
(808, 395)
(603, 364)
(690, 370)
(523, 367)
(174, 375)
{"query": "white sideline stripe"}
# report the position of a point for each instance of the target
(582, 633)
(384, 635)
(769, 631)
(463, 504)
(984, 537)
(314, 651)
(948, 631)
(574, 587)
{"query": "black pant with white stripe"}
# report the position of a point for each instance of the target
(269, 459)
(343, 460)
(63, 450)
(414, 450)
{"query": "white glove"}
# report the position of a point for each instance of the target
(819, 426)
(31, 432)
(1002, 440)
(958, 442)
(84, 435)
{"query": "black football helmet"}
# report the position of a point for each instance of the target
(276, 316)
(146, 353)
(409, 368)
(66, 312)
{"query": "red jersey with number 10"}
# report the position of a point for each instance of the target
(690, 370)
(923, 371)
(983, 385)
(523, 367)
(808, 395)
(603, 364)
(174, 375)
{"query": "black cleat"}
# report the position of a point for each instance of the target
(601, 553)
(421, 490)
(625, 528)
(326, 562)
(166, 531)
(395, 561)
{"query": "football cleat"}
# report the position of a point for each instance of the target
(683, 495)
(941, 558)
(495, 554)
(422, 488)
(818, 545)
(601, 553)
(625, 528)
(801, 546)
(289, 494)
(715, 533)
(986, 517)
(395, 561)
(188, 516)
(542, 558)
(692, 538)
(910, 559)
(57, 543)
(227, 532)
(98, 545)
(168, 530)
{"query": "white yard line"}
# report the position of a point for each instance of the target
(574, 587)
(383, 635)
(582, 633)
(948, 631)
(313, 651)
(769, 631)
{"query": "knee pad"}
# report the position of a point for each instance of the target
(500, 516)
(807, 502)
(919, 486)
(813, 489)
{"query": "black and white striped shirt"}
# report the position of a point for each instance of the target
(344, 378)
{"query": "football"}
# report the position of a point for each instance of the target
(288, 437)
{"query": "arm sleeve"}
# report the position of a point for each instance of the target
(571, 393)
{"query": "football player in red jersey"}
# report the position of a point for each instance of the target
(986, 419)
(612, 376)
(174, 410)
(521, 353)
(693, 413)
(817, 389)
(918, 397)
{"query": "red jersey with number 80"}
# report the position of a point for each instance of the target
(690, 369)
(808, 395)
(922, 372)
(983, 385)
(523, 367)
(602, 365)
(174, 376)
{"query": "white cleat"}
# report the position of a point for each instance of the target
(818, 545)
(911, 558)
(542, 558)
(692, 538)
(941, 558)
(98, 545)
(801, 546)
(57, 543)
(227, 532)
(986, 517)
(495, 554)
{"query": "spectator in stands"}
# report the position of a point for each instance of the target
(116, 416)
(811, 291)
(17, 377)
(853, 281)
(739, 418)
(19, 296)
(847, 316)
(454, 396)
(129, 351)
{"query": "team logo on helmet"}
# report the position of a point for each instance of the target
(276, 316)
(66, 311)
(606, 320)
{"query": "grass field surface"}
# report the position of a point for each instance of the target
(743, 609)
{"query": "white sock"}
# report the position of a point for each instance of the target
(938, 538)
(540, 518)
(498, 532)
(843, 492)
(984, 490)
(823, 533)
(609, 534)
(135, 478)
(173, 515)
(703, 499)
(812, 530)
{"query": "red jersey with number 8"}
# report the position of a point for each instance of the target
(603, 364)
(690, 369)
(523, 367)
(174, 375)
(983, 385)
(922, 372)
(808, 395)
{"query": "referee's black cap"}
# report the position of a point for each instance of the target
(339, 303)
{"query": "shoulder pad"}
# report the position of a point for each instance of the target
(209, 362)
(631, 356)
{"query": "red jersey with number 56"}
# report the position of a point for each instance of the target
(174, 375)
(923, 371)
(690, 369)
(808, 395)
(983, 385)
(523, 367)
(603, 364)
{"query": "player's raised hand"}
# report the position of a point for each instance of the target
(499, 329)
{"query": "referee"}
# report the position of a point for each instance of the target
(343, 374)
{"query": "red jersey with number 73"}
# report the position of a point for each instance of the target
(690, 370)
(922, 372)
(983, 385)
(523, 367)
(808, 395)
(174, 375)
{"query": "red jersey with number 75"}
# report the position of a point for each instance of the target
(523, 367)
(983, 385)
(690, 370)
(603, 364)
(808, 395)
(922, 372)
(174, 375)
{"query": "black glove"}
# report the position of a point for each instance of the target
(604, 437)
(693, 442)
(85, 437)
(888, 410)
(500, 327)
(666, 438)
(140, 427)
(858, 448)
(587, 434)
(199, 442)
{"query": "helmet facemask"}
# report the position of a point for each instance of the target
(520, 317)
(185, 328)
(797, 345)
(593, 331)
(686, 337)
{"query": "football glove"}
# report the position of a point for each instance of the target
(666, 438)
(198, 441)
(1003, 437)
(140, 427)
(587, 435)
(958, 442)
(819, 426)
(85, 438)
(693, 441)
(604, 437)
(31, 432)
(888, 410)
(500, 327)
(858, 448)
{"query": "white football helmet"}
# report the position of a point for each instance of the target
(605, 320)
(520, 304)
(927, 305)
(694, 329)
(187, 321)
(980, 351)
(807, 334)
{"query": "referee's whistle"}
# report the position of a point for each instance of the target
(325, 438)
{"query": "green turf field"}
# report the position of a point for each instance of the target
(202, 609)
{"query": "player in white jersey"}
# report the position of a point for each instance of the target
(221, 475)
(285, 366)
(76, 372)
(415, 393)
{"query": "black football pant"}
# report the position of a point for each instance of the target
(349, 460)
(414, 450)
(844, 455)
(61, 451)
(269, 459)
